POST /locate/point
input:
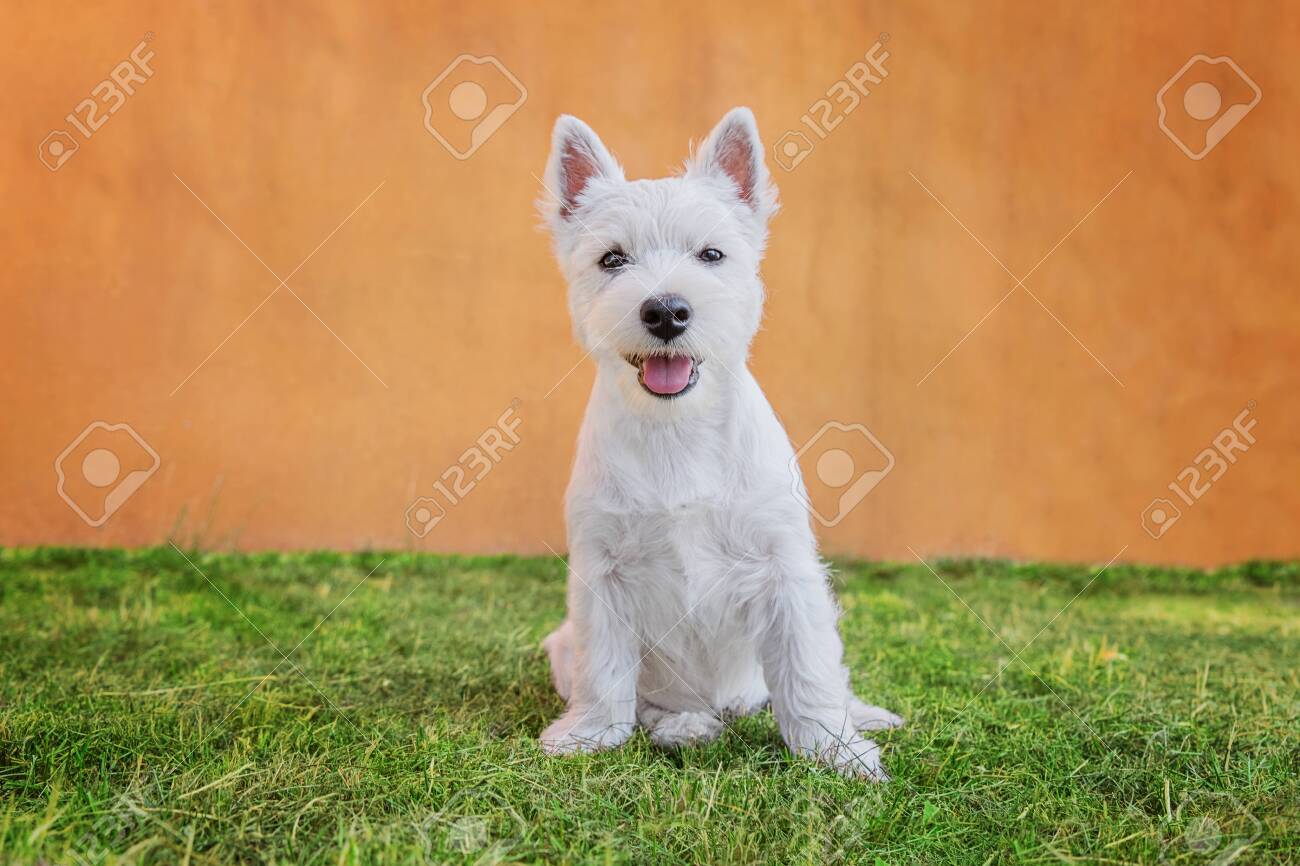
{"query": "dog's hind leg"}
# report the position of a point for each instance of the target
(751, 696)
(868, 718)
(559, 647)
(670, 730)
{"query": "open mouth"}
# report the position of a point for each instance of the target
(666, 376)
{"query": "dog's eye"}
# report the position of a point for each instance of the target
(613, 260)
(711, 255)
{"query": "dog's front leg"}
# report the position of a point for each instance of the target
(802, 663)
(602, 705)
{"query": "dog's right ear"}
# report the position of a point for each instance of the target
(577, 157)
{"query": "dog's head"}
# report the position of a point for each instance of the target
(663, 274)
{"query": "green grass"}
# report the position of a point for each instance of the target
(404, 728)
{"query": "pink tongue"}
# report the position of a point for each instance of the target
(666, 375)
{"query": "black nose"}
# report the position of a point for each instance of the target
(666, 317)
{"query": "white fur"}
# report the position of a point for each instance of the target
(695, 590)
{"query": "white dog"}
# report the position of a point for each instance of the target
(695, 590)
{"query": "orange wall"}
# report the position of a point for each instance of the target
(117, 282)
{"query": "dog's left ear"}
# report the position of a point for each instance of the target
(733, 150)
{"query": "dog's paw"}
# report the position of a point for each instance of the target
(868, 718)
(577, 732)
(843, 750)
(685, 729)
(854, 757)
(740, 708)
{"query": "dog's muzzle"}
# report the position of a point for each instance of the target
(666, 317)
(666, 376)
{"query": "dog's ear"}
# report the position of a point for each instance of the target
(577, 156)
(733, 150)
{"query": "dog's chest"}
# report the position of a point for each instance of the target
(670, 511)
(673, 562)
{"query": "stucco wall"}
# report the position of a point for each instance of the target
(1008, 141)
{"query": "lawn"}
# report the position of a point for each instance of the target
(145, 717)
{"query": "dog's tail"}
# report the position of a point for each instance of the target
(559, 647)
